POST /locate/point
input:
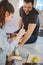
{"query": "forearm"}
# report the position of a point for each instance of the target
(24, 39)
(28, 34)
(20, 34)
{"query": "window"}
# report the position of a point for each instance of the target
(20, 3)
(39, 5)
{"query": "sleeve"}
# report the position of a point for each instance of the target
(13, 46)
(4, 44)
(21, 12)
(34, 19)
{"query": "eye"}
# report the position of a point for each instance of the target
(24, 6)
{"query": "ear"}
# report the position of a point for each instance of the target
(6, 14)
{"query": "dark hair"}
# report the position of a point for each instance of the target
(27, 1)
(5, 6)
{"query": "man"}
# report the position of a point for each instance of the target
(29, 21)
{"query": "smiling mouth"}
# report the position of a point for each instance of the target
(27, 13)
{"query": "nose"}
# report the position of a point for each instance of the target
(26, 9)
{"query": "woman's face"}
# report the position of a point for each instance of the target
(8, 17)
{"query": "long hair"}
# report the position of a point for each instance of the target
(5, 6)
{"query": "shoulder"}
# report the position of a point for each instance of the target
(21, 9)
(35, 12)
(21, 12)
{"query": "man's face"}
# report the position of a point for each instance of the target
(27, 7)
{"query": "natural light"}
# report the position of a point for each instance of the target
(20, 3)
(39, 5)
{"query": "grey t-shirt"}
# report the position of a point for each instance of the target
(32, 17)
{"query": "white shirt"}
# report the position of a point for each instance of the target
(5, 47)
(4, 44)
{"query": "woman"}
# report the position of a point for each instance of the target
(6, 13)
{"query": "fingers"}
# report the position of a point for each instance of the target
(22, 30)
